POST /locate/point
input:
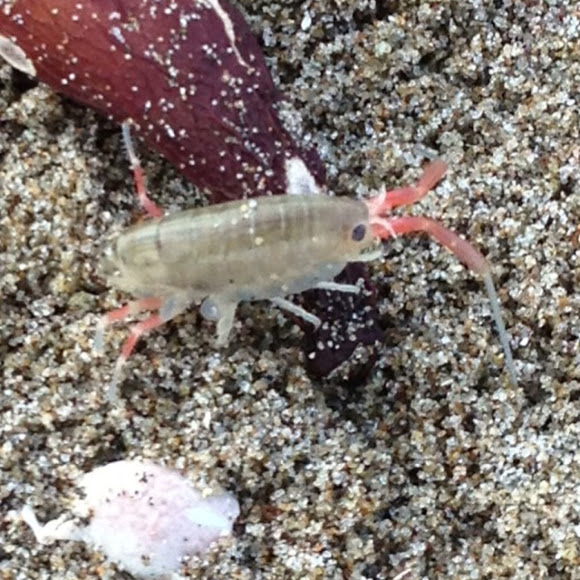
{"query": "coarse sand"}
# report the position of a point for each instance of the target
(429, 466)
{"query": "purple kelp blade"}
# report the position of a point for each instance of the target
(189, 74)
(193, 80)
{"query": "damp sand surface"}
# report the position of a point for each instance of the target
(430, 463)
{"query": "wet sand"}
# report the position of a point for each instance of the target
(432, 463)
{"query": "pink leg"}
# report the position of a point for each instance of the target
(137, 331)
(168, 309)
(472, 258)
(130, 309)
(387, 200)
(146, 203)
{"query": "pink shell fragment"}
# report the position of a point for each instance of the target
(146, 518)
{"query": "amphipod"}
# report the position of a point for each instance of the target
(263, 248)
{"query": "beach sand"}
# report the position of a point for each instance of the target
(430, 463)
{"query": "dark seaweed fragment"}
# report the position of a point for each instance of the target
(348, 320)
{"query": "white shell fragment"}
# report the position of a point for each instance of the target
(299, 180)
(146, 518)
(15, 56)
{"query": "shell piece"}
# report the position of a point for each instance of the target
(142, 516)
(15, 56)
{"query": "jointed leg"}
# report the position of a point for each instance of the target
(146, 202)
(387, 200)
(336, 287)
(137, 331)
(470, 256)
(227, 313)
(168, 308)
(222, 312)
(130, 309)
(296, 310)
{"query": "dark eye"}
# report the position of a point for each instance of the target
(358, 233)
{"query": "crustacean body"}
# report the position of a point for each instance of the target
(262, 248)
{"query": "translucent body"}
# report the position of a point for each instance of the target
(242, 250)
(257, 249)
